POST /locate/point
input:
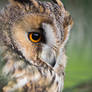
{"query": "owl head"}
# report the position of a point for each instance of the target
(36, 30)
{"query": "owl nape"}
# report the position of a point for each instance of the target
(33, 36)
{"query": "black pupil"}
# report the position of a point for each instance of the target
(35, 36)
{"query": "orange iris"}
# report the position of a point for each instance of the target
(34, 37)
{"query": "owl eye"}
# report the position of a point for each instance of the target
(34, 37)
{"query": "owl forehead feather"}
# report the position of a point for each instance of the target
(33, 20)
(28, 1)
(22, 1)
(36, 4)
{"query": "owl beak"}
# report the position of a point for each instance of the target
(53, 62)
(48, 56)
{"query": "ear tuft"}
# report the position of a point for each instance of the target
(58, 2)
(21, 1)
(25, 2)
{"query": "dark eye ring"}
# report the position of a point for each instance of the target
(34, 37)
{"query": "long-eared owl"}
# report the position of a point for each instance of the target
(33, 35)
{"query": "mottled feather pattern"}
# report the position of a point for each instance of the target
(28, 66)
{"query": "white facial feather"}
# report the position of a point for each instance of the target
(50, 36)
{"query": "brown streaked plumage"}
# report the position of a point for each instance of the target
(37, 66)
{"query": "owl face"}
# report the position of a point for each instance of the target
(37, 30)
(35, 37)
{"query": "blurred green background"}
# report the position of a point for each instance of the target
(79, 48)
